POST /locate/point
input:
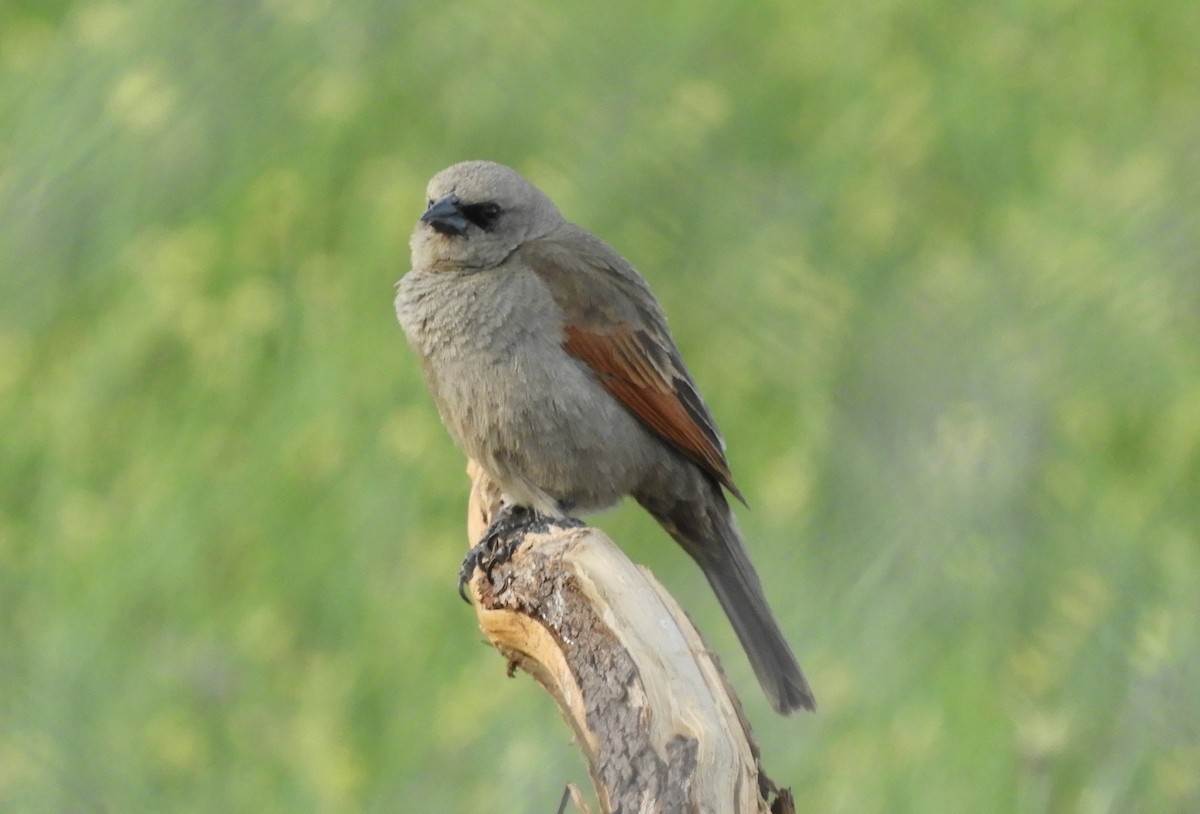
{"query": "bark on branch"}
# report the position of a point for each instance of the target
(651, 709)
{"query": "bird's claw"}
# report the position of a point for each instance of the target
(467, 569)
(500, 540)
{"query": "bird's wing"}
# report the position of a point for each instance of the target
(615, 327)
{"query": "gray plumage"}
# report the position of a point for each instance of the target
(552, 366)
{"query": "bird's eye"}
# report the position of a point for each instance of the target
(429, 204)
(483, 215)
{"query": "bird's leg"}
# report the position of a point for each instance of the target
(497, 544)
(502, 538)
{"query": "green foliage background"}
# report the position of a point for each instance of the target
(936, 266)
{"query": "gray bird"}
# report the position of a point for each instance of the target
(553, 368)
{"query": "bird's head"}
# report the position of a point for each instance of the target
(477, 214)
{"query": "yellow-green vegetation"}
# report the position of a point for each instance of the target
(935, 265)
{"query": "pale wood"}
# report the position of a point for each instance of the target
(650, 707)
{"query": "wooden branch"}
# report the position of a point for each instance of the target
(650, 707)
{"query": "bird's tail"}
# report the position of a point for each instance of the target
(714, 542)
(740, 593)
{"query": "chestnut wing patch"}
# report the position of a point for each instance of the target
(623, 361)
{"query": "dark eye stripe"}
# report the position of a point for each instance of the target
(483, 215)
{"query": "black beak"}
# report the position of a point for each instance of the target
(446, 216)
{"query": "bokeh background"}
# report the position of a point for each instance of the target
(936, 266)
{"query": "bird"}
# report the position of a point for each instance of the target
(552, 367)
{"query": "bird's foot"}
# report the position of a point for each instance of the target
(502, 538)
(497, 544)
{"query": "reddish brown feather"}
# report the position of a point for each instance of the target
(623, 366)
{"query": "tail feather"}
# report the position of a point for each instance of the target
(740, 593)
(709, 535)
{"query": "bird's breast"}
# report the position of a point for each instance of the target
(511, 397)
